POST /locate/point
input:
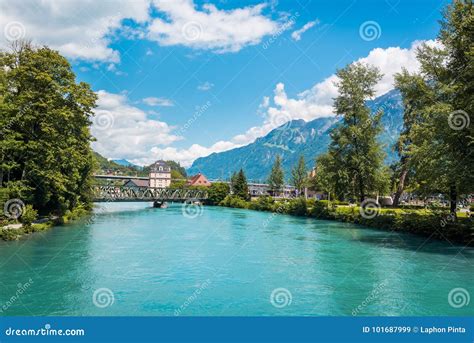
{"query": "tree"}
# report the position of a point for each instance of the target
(217, 192)
(354, 158)
(276, 178)
(45, 151)
(239, 185)
(416, 95)
(299, 175)
(441, 143)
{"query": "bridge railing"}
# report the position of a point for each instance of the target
(122, 193)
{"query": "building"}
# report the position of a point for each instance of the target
(160, 175)
(134, 183)
(198, 180)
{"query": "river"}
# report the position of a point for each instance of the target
(132, 259)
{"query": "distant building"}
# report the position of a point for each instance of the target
(198, 180)
(133, 183)
(160, 175)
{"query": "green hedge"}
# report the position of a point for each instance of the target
(426, 222)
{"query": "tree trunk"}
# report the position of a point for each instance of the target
(453, 194)
(401, 185)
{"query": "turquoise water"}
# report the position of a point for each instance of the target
(138, 260)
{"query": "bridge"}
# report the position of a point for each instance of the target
(110, 193)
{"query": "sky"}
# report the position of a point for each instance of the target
(181, 79)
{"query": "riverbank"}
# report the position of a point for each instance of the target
(431, 223)
(13, 230)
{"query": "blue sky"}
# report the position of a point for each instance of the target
(181, 79)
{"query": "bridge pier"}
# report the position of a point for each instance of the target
(159, 204)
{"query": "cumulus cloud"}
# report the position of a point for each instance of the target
(209, 28)
(313, 103)
(153, 101)
(125, 131)
(78, 29)
(296, 35)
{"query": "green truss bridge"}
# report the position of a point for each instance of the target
(111, 193)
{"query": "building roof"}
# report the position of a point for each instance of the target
(198, 179)
(160, 163)
(138, 183)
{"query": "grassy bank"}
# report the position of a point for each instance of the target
(435, 223)
(29, 227)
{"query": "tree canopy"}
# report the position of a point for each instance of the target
(45, 154)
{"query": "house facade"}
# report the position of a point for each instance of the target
(160, 175)
(198, 180)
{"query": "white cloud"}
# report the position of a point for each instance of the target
(125, 131)
(313, 103)
(205, 86)
(296, 35)
(78, 29)
(209, 28)
(153, 101)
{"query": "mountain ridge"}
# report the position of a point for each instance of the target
(296, 138)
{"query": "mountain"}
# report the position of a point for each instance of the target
(296, 138)
(106, 166)
(126, 163)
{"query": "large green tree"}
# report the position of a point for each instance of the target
(354, 161)
(441, 143)
(276, 177)
(416, 96)
(45, 155)
(299, 175)
(239, 185)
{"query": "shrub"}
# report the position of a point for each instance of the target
(29, 215)
(265, 203)
(297, 207)
(234, 201)
(217, 192)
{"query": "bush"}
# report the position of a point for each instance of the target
(297, 207)
(234, 201)
(29, 215)
(217, 192)
(265, 203)
(321, 210)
